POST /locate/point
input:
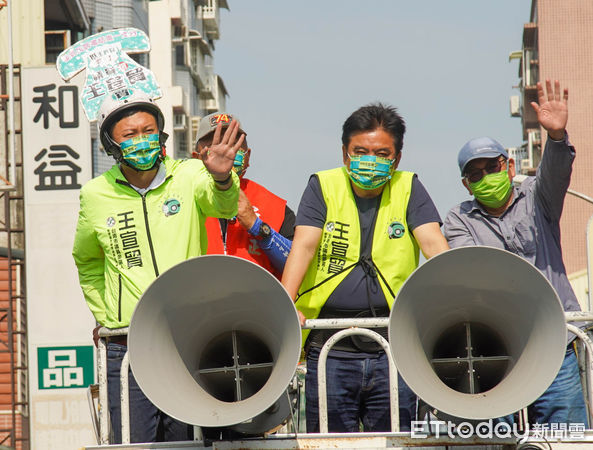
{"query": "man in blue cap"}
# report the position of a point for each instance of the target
(525, 220)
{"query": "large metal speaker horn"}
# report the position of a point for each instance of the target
(215, 342)
(477, 332)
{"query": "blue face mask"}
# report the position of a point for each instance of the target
(239, 162)
(370, 171)
(142, 151)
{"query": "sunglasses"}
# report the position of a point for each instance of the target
(473, 175)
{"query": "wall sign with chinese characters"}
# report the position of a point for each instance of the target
(56, 140)
(65, 367)
(56, 163)
(57, 168)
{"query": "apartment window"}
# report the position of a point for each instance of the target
(55, 42)
(181, 148)
(179, 55)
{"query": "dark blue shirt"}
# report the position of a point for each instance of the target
(360, 294)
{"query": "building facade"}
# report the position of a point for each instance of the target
(39, 31)
(105, 15)
(46, 351)
(557, 46)
(183, 35)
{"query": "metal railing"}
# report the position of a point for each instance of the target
(124, 388)
(588, 345)
(322, 382)
(349, 327)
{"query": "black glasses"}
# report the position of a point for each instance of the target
(493, 166)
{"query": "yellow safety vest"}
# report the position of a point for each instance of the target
(394, 251)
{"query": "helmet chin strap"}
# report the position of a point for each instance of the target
(163, 138)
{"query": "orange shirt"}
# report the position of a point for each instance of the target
(269, 207)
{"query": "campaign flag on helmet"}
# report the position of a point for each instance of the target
(110, 72)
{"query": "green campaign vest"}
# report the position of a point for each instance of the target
(394, 251)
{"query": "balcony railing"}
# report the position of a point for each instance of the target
(208, 90)
(218, 102)
(211, 18)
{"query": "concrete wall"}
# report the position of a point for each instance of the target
(565, 53)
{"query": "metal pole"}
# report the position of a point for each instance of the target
(330, 324)
(11, 126)
(125, 399)
(103, 402)
(578, 316)
(589, 241)
(105, 332)
(580, 195)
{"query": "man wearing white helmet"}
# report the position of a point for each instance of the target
(137, 220)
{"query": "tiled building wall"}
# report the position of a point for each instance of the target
(21, 427)
(122, 13)
(20, 386)
(130, 13)
(90, 7)
(565, 34)
(103, 15)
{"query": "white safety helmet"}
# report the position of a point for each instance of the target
(111, 111)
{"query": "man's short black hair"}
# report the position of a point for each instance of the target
(373, 116)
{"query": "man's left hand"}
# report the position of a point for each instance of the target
(302, 318)
(96, 336)
(552, 110)
(245, 214)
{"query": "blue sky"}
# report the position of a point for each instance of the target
(296, 70)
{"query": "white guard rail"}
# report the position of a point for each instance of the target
(349, 327)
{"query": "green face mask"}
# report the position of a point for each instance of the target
(492, 190)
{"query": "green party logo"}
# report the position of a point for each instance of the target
(171, 207)
(396, 230)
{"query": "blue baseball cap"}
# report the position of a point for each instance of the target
(483, 147)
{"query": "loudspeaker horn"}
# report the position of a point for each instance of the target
(477, 332)
(215, 341)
